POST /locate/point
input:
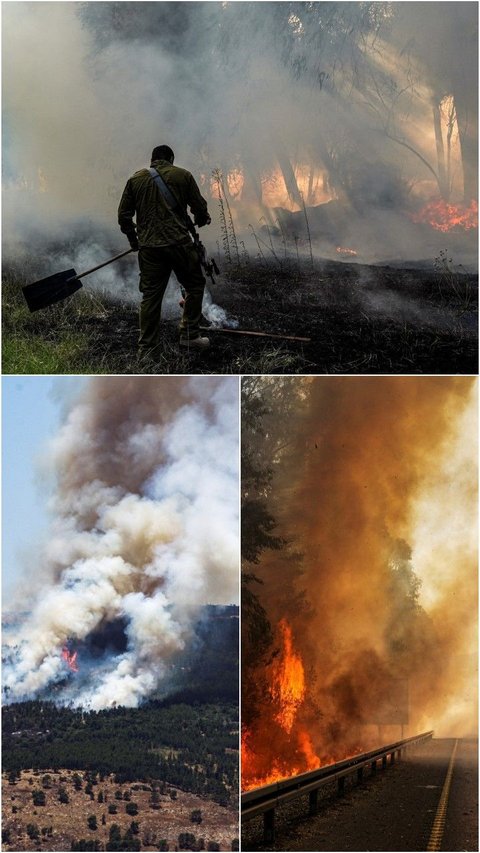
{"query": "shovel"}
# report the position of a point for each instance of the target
(56, 287)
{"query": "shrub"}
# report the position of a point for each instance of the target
(33, 831)
(38, 797)
(63, 796)
(187, 841)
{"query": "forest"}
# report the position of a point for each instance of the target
(193, 747)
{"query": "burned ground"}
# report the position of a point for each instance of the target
(359, 318)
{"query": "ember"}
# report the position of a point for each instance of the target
(445, 217)
(343, 251)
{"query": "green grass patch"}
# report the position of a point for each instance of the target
(30, 355)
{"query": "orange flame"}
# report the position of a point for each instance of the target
(279, 746)
(444, 217)
(288, 687)
(70, 658)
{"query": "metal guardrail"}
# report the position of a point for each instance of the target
(266, 799)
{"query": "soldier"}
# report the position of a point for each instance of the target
(163, 243)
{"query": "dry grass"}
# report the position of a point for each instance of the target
(69, 821)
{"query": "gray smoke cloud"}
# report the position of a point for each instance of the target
(332, 101)
(144, 532)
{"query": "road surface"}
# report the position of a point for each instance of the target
(397, 810)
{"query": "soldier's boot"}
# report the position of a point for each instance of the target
(195, 343)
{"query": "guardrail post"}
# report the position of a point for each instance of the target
(360, 775)
(392, 757)
(341, 786)
(384, 761)
(374, 767)
(269, 826)
(313, 802)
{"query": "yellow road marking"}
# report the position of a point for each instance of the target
(438, 827)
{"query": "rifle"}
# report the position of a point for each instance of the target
(210, 266)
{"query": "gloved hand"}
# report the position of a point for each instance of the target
(202, 222)
(133, 240)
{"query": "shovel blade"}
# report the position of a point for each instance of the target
(49, 290)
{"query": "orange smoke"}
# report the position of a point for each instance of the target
(70, 658)
(445, 217)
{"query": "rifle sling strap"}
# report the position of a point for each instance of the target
(170, 199)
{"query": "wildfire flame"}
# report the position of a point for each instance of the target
(269, 755)
(444, 217)
(288, 687)
(70, 658)
(343, 251)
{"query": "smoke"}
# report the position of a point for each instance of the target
(378, 489)
(328, 101)
(144, 532)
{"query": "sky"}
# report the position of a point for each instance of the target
(31, 413)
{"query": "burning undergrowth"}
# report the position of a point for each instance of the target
(132, 554)
(367, 630)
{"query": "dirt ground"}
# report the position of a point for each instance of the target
(67, 822)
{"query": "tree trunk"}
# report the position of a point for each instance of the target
(288, 173)
(467, 121)
(437, 124)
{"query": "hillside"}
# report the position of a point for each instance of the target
(159, 815)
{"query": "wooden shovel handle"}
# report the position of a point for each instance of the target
(99, 267)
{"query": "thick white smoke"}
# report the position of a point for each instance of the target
(145, 530)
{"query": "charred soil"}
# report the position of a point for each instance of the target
(359, 318)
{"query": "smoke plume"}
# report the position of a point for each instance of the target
(144, 532)
(373, 105)
(377, 489)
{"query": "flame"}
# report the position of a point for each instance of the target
(70, 658)
(444, 217)
(343, 251)
(312, 187)
(268, 756)
(288, 685)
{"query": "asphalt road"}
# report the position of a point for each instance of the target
(393, 811)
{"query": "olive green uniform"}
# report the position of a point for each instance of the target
(164, 245)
